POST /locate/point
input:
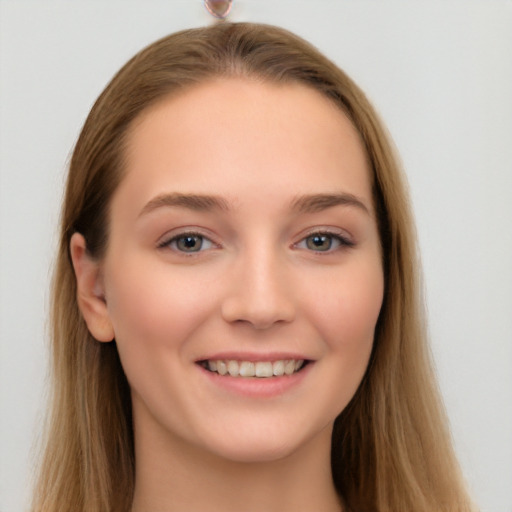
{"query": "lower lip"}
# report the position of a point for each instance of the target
(257, 387)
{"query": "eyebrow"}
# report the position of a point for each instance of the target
(309, 203)
(196, 202)
(314, 203)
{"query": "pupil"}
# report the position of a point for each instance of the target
(190, 243)
(322, 242)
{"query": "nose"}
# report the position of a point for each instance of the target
(260, 292)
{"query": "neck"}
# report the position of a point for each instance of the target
(182, 477)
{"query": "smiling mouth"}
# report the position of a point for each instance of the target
(259, 369)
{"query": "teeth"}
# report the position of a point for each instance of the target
(233, 368)
(289, 367)
(278, 368)
(247, 369)
(261, 369)
(222, 368)
(264, 369)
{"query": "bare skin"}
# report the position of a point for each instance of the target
(244, 236)
(218, 485)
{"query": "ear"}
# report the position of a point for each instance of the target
(90, 290)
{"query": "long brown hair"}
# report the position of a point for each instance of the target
(391, 449)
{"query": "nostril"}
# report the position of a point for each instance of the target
(258, 312)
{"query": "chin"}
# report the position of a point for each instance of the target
(257, 453)
(259, 444)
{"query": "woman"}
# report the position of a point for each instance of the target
(236, 321)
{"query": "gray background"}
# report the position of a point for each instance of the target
(439, 72)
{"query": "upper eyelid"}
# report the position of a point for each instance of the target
(339, 233)
(342, 239)
(174, 234)
(330, 231)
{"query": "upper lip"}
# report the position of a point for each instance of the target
(253, 356)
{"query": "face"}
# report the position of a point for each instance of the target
(243, 276)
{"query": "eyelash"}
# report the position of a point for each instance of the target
(340, 240)
(333, 237)
(173, 241)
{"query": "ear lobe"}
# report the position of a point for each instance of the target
(90, 291)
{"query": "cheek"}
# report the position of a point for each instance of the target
(151, 307)
(347, 316)
(154, 312)
(348, 308)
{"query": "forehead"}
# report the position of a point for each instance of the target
(235, 133)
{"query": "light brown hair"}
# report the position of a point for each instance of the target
(391, 448)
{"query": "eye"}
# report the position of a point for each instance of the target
(324, 242)
(188, 243)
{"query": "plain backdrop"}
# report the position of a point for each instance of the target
(440, 74)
